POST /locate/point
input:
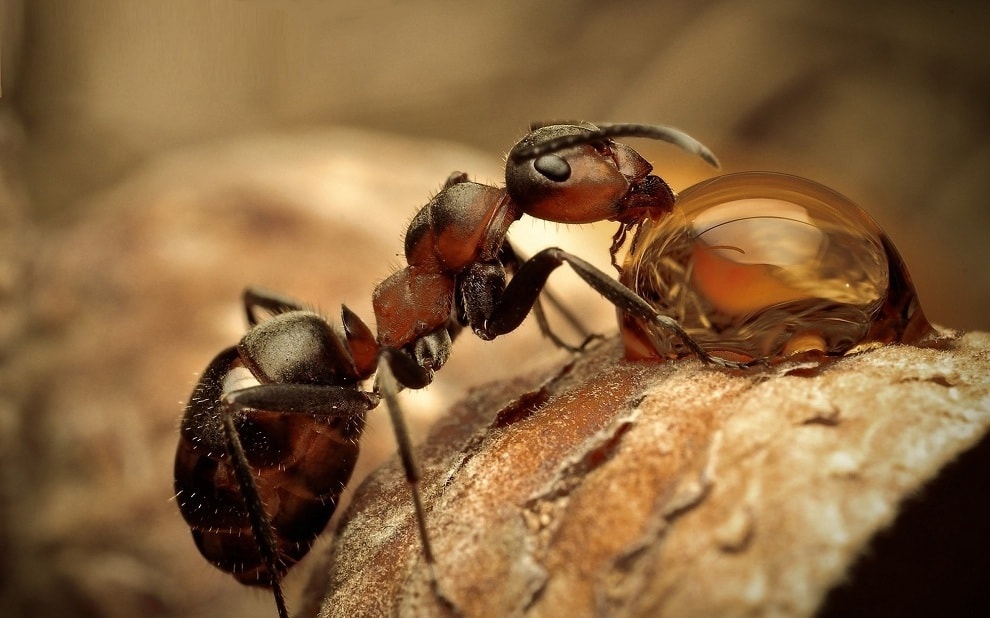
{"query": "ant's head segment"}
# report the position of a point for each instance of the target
(575, 173)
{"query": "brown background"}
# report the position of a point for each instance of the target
(885, 101)
(157, 157)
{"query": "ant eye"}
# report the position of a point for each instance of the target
(764, 264)
(553, 168)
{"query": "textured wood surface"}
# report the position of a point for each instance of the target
(603, 487)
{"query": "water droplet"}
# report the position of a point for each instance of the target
(765, 265)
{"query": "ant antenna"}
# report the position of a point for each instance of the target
(603, 131)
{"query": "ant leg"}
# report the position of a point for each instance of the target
(541, 320)
(208, 436)
(513, 259)
(272, 302)
(315, 400)
(261, 524)
(396, 368)
(519, 296)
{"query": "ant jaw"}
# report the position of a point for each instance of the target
(648, 198)
(618, 240)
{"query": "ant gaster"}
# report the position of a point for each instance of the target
(259, 468)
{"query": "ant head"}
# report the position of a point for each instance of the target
(575, 173)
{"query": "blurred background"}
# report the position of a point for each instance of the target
(157, 157)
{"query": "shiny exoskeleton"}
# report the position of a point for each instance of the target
(263, 458)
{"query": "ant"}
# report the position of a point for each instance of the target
(260, 464)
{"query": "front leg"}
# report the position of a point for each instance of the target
(513, 260)
(495, 308)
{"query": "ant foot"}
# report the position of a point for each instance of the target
(725, 363)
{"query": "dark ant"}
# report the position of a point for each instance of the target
(259, 469)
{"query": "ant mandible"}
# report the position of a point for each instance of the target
(260, 464)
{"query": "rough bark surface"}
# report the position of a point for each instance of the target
(604, 487)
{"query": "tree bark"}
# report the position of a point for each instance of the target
(606, 487)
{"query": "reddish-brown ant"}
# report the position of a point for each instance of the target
(259, 468)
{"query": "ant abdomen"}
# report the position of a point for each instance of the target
(300, 464)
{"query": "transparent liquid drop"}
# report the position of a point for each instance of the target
(765, 265)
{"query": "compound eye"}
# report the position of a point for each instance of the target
(553, 168)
